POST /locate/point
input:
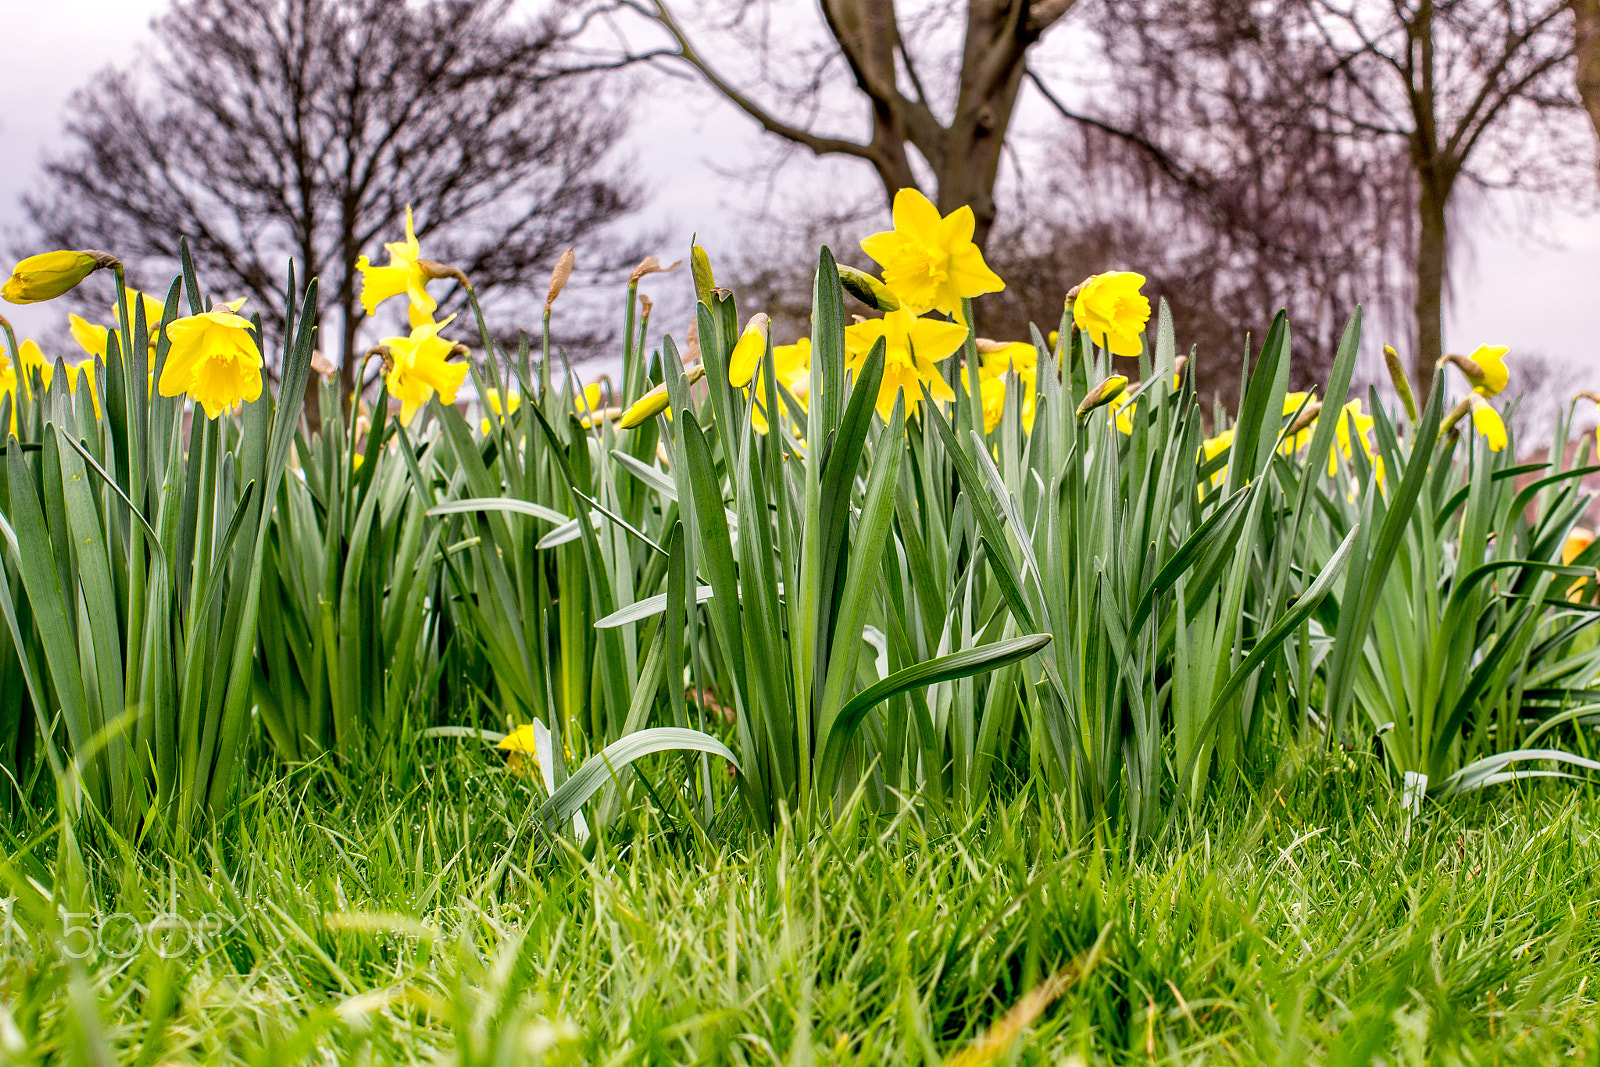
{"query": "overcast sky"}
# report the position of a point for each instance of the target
(1537, 295)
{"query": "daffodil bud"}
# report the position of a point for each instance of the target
(1308, 415)
(1103, 394)
(867, 289)
(1402, 382)
(560, 276)
(50, 274)
(1456, 414)
(654, 402)
(704, 281)
(746, 355)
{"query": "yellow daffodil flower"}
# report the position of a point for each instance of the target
(929, 262)
(1211, 448)
(420, 367)
(214, 359)
(153, 310)
(793, 364)
(993, 392)
(1580, 539)
(403, 276)
(521, 748)
(1491, 359)
(91, 337)
(998, 357)
(32, 358)
(1342, 434)
(1486, 420)
(748, 352)
(50, 274)
(513, 401)
(914, 347)
(8, 384)
(1121, 410)
(1112, 311)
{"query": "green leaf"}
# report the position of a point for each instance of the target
(599, 769)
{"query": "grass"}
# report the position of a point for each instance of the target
(417, 918)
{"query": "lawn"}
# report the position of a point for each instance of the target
(420, 918)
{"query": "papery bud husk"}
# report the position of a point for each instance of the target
(645, 304)
(430, 269)
(559, 276)
(651, 265)
(322, 365)
(1467, 366)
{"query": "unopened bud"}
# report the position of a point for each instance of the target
(50, 274)
(704, 281)
(867, 289)
(1308, 415)
(1103, 394)
(559, 276)
(430, 269)
(1402, 382)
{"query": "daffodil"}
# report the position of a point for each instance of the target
(913, 348)
(996, 358)
(521, 748)
(1121, 410)
(930, 262)
(1298, 403)
(1104, 393)
(50, 274)
(153, 310)
(403, 276)
(1211, 448)
(993, 392)
(747, 353)
(214, 359)
(793, 366)
(419, 367)
(1491, 361)
(1112, 311)
(1363, 424)
(8, 384)
(1580, 539)
(1486, 420)
(513, 401)
(32, 358)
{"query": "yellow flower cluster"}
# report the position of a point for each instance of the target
(418, 365)
(214, 357)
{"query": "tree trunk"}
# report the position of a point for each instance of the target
(1431, 262)
(1586, 45)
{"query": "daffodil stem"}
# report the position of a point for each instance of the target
(16, 356)
(630, 373)
(974, 378)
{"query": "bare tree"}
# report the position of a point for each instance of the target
(264, 129)
(875, 55)
(1456, 92)
(1586, 46)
